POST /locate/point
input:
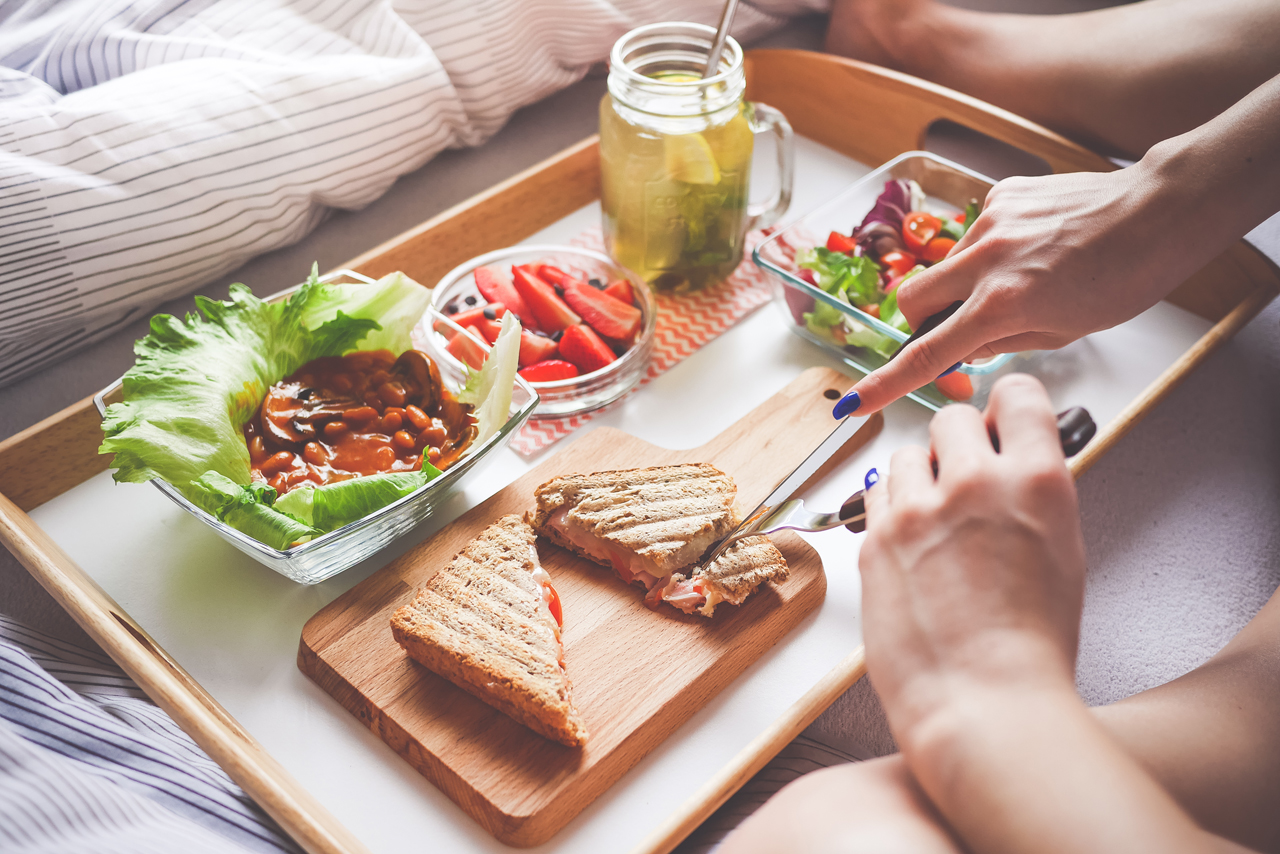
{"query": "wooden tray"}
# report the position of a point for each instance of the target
(637, 674)
(882, 114)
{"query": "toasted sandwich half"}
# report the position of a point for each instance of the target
(645, 523)
(490, 623)
(733, 577)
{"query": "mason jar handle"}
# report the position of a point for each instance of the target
(766, 118)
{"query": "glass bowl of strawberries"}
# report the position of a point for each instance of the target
(587, 323)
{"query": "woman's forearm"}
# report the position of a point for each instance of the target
(1029, 769)
(1224, 176)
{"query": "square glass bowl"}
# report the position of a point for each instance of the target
(948, 187)
(331, 553)
(577, 394)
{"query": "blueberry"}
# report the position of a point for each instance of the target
(451, 308)
(556, 338)
(490, 313)
(618, 349)
(559, 291)
(541, 334)
(597, 284)
(471, 300)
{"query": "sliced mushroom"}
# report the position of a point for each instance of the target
(279, 408)
(421, 374)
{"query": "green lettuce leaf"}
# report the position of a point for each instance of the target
(333, 505)
(396, 303)
(854, 278)
(248, 509)
(489, 389)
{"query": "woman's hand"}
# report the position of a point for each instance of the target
(973, 581)
(1048, 261)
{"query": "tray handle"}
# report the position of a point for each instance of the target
(882, 113)
(173, 689)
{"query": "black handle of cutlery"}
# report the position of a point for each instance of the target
(1075, 428)
(931, 323)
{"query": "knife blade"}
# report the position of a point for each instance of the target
(790, 483)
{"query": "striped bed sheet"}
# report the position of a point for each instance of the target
(88, 763)
(148, 147)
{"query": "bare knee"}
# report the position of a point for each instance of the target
(871, 806)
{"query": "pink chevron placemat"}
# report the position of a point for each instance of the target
(685, 323)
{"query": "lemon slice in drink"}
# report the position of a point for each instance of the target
(689, 158)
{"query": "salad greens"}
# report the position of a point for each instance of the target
(198, 380)
(498, 372)
(864, 269)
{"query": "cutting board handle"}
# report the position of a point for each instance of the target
(786, 428)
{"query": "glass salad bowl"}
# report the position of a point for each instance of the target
(458, 292)
(948, 188)
(328, 554)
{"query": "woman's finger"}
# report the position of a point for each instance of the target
(1028, 341)
(910, 473)
(922, 362)
(876, 502)
(1020, 415)
(960, 441)
(930, 291)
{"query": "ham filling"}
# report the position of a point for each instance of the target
(629, 566)
(687, 594)
(550, 615)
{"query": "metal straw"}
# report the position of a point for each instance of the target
(722, 33)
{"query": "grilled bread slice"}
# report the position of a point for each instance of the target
(731, 578)
(645, 523)
(489, 623)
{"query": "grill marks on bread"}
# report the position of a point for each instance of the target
(743, 567)
(481, 623)
(668, 514)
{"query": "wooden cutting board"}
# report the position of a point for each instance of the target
(637, 674)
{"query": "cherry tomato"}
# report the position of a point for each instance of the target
(960, 218)
(955, 386)
(873, 309)
(935, 250)
(899, 263)
(918, 229)
(838, 242)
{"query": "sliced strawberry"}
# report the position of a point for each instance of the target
(496, 288)
(621, 290)
(465, 350)
(582, 346)
(611, 317)
(473, 316)
(549, 370)
(554, 275)
(549, 311)
(444, 329)
(535, 348)
(489, 329)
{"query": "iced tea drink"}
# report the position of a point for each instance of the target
(675, 153)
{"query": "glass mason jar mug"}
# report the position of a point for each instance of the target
(675, 157)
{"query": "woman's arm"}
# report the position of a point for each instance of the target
(972, 589)
(1054, 258)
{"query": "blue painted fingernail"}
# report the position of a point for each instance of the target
(950, 370)
(846, 405)
(872, 478)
